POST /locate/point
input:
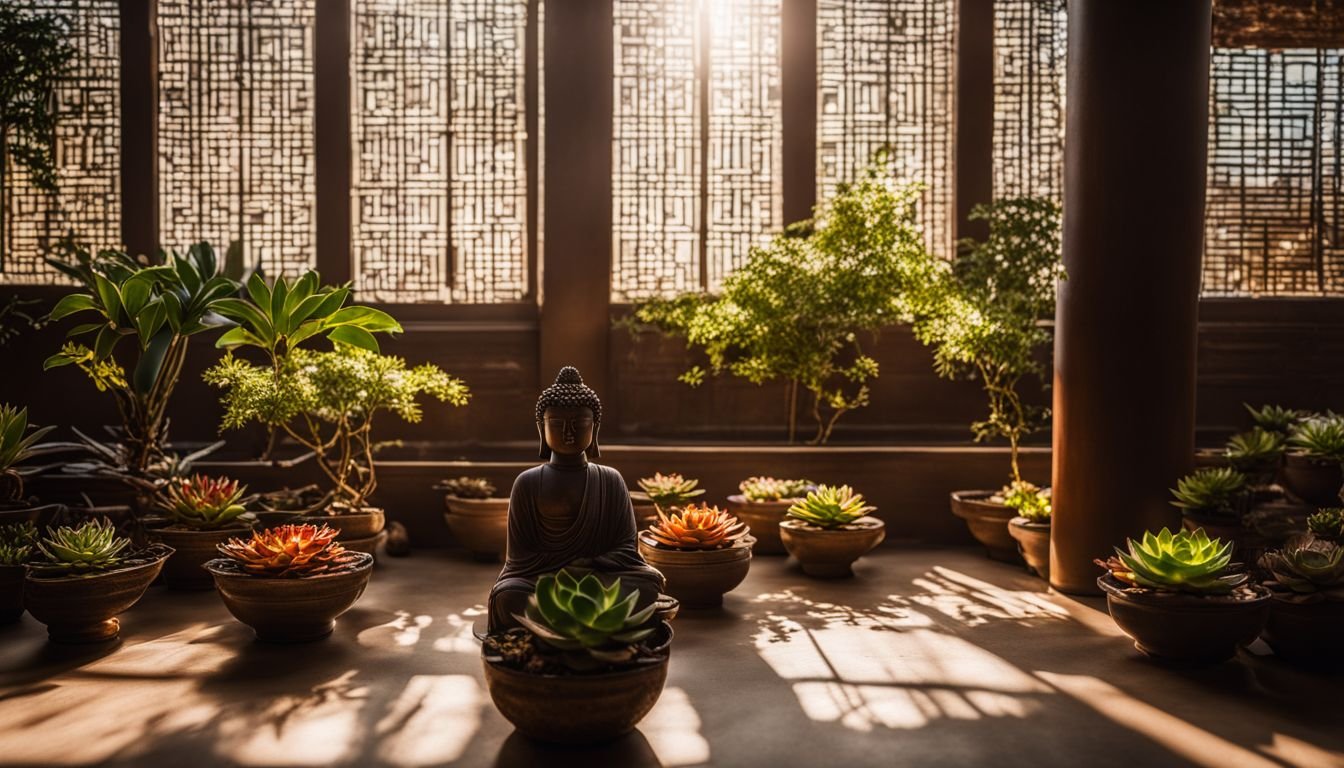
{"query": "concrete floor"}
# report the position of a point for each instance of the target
(927, 658)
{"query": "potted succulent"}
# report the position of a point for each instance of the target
(662, 492)
(1276, 418)
(478, 519)
(1311, 470)
(1257, 454)
(291, 582)
(829, 530)
(1215, 499)
(762, 504)
(1306, 576)
(17, 543)
(702, 550)
(584, 667)
(201, 513)
(1179, 596)
(81, 577)
(1031, 527)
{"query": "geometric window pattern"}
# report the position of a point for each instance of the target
(88, 147)
(1030, 48)
(696, 141)
(440, 147)
(885, 79)
(236, 128)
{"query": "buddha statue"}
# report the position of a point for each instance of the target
(569, 512)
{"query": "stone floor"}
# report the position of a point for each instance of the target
(927, 658)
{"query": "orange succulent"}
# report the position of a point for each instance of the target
(286, 550)
(697, 526)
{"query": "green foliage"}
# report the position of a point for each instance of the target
(1180, 562)
(280, 317)
(798, 308)
(1320, 438)
(205, 503)
(582, 615)
(982, 316)
(35, 54)
(830, 506)
(671, 490)
(1029, 500)
(91, 546)
(16, 543)
(1275, 418)
(1257, 453)
(774, 489)
(1327, 524)
(1212, 490)
(1308, 565)
(467, 488)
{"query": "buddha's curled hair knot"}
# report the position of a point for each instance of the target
(569, 391)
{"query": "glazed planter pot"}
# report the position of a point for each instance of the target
(479, 525)
(191, 549)
(699, 578)
(11, 593)
(1033, 542)
(579, 709)
(763, 518)
(1185, 628)
(1315, 482)
(988, 523)
(296, 610)
(830, 553)
(84, 609)
(368, 521)
(1307, 632)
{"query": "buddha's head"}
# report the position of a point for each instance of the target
(568, 416)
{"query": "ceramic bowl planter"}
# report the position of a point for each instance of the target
(1194, 629)
(291, 610)
(1306, 629)
(479, 525)
(1315, 481)
(763, 518)
(83, 608)
(829, 553)
(699, 578)
(988, 523)
(1033, 541)
(185, 570)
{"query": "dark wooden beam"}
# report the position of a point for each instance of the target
(139, 126)
(798, 83)
(1278, 23)
(331, 140)
(974, 119)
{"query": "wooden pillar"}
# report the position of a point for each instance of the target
(139, 126)
(576, 275)
(1134, 166)
(974, 117)
(331, 138)
(798, 106)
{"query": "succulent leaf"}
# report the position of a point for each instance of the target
(670, 490)
(697, 527)
(1177, 562)
(90, 546)
(774, 489)
(830, 506)
(573, 614)
(205, 503)
(286, 551)
(1211, 490)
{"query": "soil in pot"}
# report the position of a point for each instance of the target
(829, 553)
(1033, 543)
(1313, 481)
(83, 608)
(763, 518)
(291, 610)
(479, 525)
(1187, 629)
(699, 578)
(1306, 631)
(988, 523)
(186, 568)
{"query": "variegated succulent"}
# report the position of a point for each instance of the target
(1213, 491)
(830, 506)
(286, 551)
(90, 546)
(581, 615)
(205, 503)
(774, 489)
(467, 488)
(1176, 562)
(17, 541)
(697, 526)
(670, 490)
(1308, 565)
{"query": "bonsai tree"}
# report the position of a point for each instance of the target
(982, 314)
(799, 308)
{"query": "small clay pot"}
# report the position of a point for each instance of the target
(1314, 481)
(763, 518)
(191, 549)
(297, 610)
(1033, 543)
(368, 521)
(830, 553)
(699, 578)
(11, 593)
(83, 609)
(578, 708)
(1306, 631)
(1191, 629)
(479, 525)
(988, 523)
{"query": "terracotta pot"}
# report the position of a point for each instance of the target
(283, 610)
(1306, 632)
(11, 593)
(368, 545)
(191, 549)
(1033, 543)
(368, 521)
(988, 523)
(830, 554)
(1313, 481)
(578, 709)
(83, 609)
(479, 525)
(699, 578)
(763, 518)
(1186, 628)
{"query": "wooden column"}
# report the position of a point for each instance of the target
(974, 114)
(798, 106)
(331, 138)
(1134, 166)
(576, 275)
(139, 126)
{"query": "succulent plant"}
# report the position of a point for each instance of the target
(1306, 565)
(1275, 418)
(1327, 524)
(697, 526)
(582, 615)
(90, 546)
(286, 551)
(1320, 438)
(1176, 562)
(774, 489)
(205, 503)
(467, 487)
(1212, 490)
(16, 444)
(670, 490)
(16, 543)
(1258, 451)
(830, 506)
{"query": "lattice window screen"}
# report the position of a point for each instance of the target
(885, 78)
(1030, 49)
(440, 150)
(1274, 221)
(236, 128)
(696, 141)
(88, 147)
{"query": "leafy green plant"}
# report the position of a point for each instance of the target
(467, 488)
(1275, 418)
(1327, 524)
(1320, 438)
(16, 445)
(17, 541)
(1213, 491)
(1029, 500)
(90, 546)
(830, 506)
(982, 317)
(774, 489)
(671, 490)
(205, 503)
(582, 615)
(1308, 565)
(1258, 452)
(279, 317)
(1176, 562)
(799, 308)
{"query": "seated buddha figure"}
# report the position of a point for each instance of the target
(569, 513)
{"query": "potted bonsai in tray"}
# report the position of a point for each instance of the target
(762, 504)
(1311, 470)
(17, 543)
(584, 666)
(703, 551)
(829, 530)
(201, 513)
(478, 519)
(1306, 615)
(1180, 598)
(291, 582)
(1031, 527)
(662, 492)
(82, 577)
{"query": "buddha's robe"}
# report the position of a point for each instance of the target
(600, 535)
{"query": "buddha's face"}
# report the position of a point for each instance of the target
(567, 430)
